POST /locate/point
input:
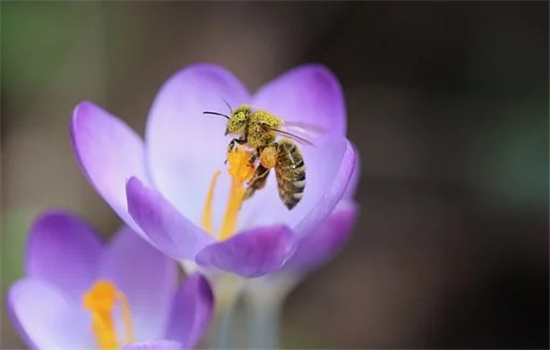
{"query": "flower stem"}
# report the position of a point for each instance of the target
(223, 329)
(227, 289)
(264, 299)
(264, 318)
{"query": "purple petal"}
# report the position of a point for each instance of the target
(167, 229)
(155, 345)
(252, 253)
(325, 241)
(109, 153)
(64, 250)
(354, 180)
(184, 146)
(46, 318)
(146, 276)
(191, 311)
(329, 168)
(309, 94)
(333, 192)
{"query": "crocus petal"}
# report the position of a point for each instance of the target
(109, 153)
(328, 170)
(350, 191)
(332, 194)
(146, 276)
(324, 242)
(184, 146)
(191, 311)
(166, 228)
(155, 345)
(47, 318)
(309, 94)
(252, 253)
(63, 250)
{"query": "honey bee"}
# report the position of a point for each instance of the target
(258, 130)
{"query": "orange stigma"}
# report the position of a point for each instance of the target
(100, 301)
(240, 170)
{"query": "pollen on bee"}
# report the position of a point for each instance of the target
(268, 157)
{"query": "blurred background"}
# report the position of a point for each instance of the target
(447, 103)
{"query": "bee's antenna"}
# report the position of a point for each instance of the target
(228, 105)
(216, 113)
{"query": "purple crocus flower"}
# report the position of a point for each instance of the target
(81, 294)
(165, 188)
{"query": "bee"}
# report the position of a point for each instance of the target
(258, 130)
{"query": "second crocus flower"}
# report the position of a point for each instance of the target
(79, 293)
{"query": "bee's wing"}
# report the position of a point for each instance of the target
(300, 132)
(303, 129)
(291, 136)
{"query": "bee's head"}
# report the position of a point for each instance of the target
(238, 121)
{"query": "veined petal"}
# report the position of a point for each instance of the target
(251, 253)
(326, 240)
(191, 311)
(166, 228)
(47, 318)
(109, 153)
(184, 146)
(155, 345)
(64, 250)
(309, 94)
(146, 276)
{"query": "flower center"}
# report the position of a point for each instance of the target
(240, 170)
(100, 301)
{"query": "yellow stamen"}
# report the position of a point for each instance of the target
(240, 170)
(100, 301)
(207, 215)
(126, 318)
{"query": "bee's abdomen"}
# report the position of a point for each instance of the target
(291, 173)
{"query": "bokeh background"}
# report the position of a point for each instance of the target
(447, 103)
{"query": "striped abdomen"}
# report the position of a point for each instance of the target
(291, 173)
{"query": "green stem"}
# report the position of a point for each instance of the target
(264, 302)
(223, 332)
(227, 289)
(264, 319)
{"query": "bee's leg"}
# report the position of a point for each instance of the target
(231, 146)
(259, 177)
(255, 155)
(257, 181)
(232, 143)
